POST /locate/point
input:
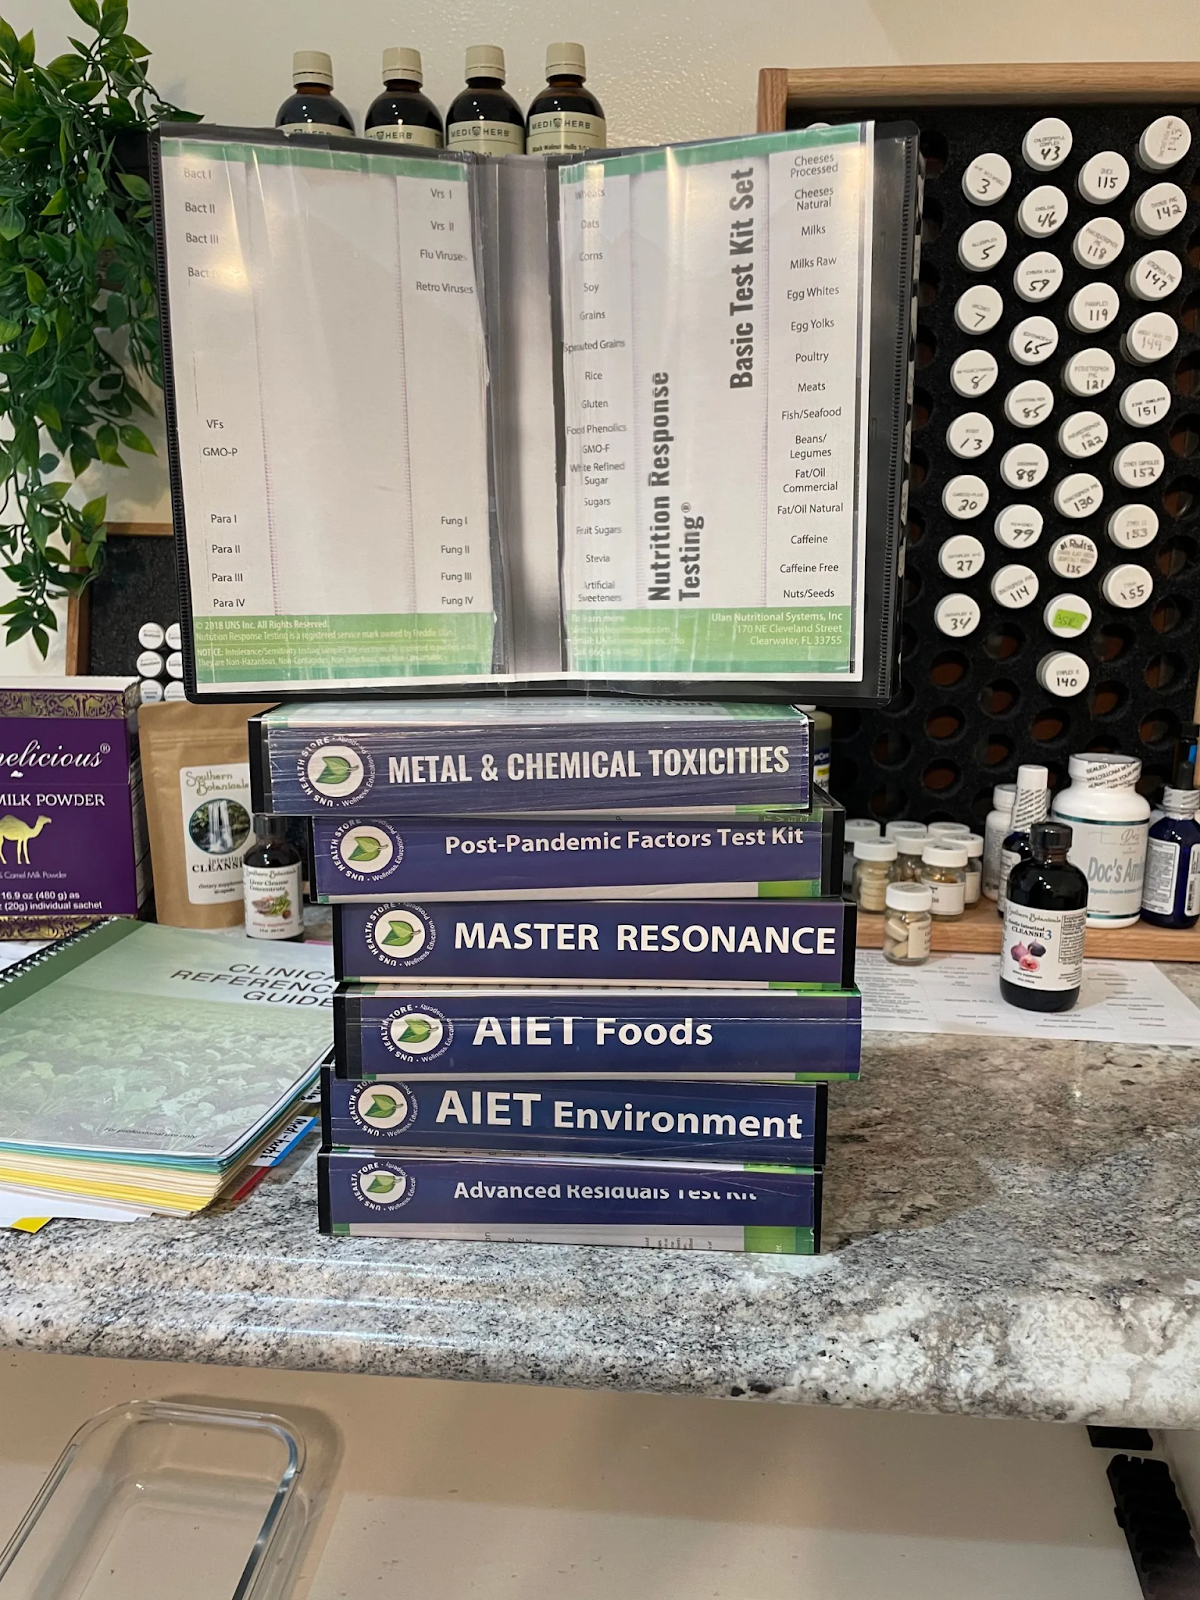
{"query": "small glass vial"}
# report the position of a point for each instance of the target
(873, 863)
(271, 883)
(313, 108)
(402, 114)
(856, 828)
(908, 930)
(565, 115)
(974, 844)
(908, 857)
(944, 869)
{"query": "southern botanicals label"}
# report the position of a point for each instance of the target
(216, 830)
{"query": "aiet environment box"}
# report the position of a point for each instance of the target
(637, 942)
(759, 853)
(674, 1119)
(665, 1205)
(459, 758)
(427, 1030)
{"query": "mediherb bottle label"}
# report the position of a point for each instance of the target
(487, 138)
(565, 130)
(292, 129)
(405, 133)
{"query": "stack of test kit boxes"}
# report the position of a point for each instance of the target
(594, 967)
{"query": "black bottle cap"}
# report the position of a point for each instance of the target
(1046, 838)
(267, 827)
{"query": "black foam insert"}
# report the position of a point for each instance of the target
(968, 712)
(136, 584)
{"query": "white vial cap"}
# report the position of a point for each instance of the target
(312, 66)
(1042, 212)
(874, 849)
(975, 845)
(1099, 241)
(987, 179)
(961, 556)
(1159, 209)
(944, 855)
(1166, 141)
(565, 59)
(1089, 371)
(1047, 144)
(1145, 402)
(1138, 464)
(1183, 802)
(1029, 402)
(964, 497)
(908, 897)
(1127, 586)
(150, 664)
(1063, 673)
(1067, 616)
(1093, 307)
(1072, 556)
(1038, 275)
(949, 830)
(401, 62)
(150, 692)
(1155, 275)
(150, 635)
(1133, 526)
(1098, 769)
(1082, 434)
(174, 636)
(175, 665)
(978, 309)
(974, 372)
(981, 245)
(1103, 177)
(903, 827)
(174, 691)
(1023, 466)
(1078, 494)
(485, 61)
(1150, 338)
(970, 434)
(1032, 341)
(909, 844)
(1003, 796)
(1014, 587)
(861, 828)
(1018, 527)
(956, 615)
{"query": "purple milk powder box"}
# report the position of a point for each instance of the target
(73, 844)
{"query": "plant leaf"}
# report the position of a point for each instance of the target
(35, 286)
(132, 184)
(134, 439)
(48, 414)
(87, 11)
(37, 338)
(12, 223)
(94, 512)
(56, 204)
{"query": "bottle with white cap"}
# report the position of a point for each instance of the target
(856, 828)
(996, 829)
(873, 863)
(1109, 821)
(484, 117)
(402, 114)
(1030, 804)
(1171, 887)
(313, 108)
(564, 115)
(908, 930)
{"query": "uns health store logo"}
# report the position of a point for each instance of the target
(333, 774)
(382, 1186)
(401, 936)
(366, 852)
(415, 1034)
(383, 1107)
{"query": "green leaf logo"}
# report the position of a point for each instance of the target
(399, 934)
(382, 1105)
(381, 1183)
(335, 771)
(365, 847)
(416, 1031)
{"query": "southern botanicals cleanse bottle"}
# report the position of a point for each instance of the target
(1030, 805)
(1045, 912)
(402, 114)
(271, 883)
(565, 115)
(484, 117)
(1171, 887)
(314, 108)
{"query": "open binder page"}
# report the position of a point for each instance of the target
(330, 390)
(716, 333)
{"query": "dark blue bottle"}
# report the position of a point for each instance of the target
(1171, 887)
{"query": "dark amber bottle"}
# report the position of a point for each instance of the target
(484, 117)
(313, 107)
(402, 114)
(565, 116)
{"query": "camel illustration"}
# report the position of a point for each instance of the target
(13, 828)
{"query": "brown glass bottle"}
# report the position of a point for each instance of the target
(564, 116)
(484, 117)
(402, 114)
(272, 879)
(314, 108)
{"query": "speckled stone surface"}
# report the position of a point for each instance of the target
(1012, 1229)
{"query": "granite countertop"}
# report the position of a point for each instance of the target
(1012, 1229)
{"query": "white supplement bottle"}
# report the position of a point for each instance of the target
(1155, 275)
(1037, 276)
(957, 615)
(1110, 821)
(1018, 526)
(974, 844)
(1103, 177)
(974, 373)
(1099, 242)
(1163, 143)
(1159, 209)
(1132, 526)
(1047, 144)
(1089, 371)
(1072, 556)
(995, 830)
(856, 828)
(987, 179)
(1144, 402)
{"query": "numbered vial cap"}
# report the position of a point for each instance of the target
(981, 245)
(1028, 403)
(957, 615)
(1145, 402)
(1067, 616)
(961, 556)
(1014, 586)
(1042, 212)
(974, 373)
(1023, 466)
(150, 635)
(1082, 434)
(1133, 526)
(1158, 209)
(965, 496)
(175, 665)
(1033, 340)
(1077, 495)
(1155, 275)
(1103, 177)
(174, 691)
(978, 310)
(1089, 372)
(1063, 673)
(1072, 556)
(1150, 338)
(1038, 275)
(1166, 141)
(1047, 144)
(150, 692)
(150, 664)
(970, 434)
(1098, 242)
(1093, 307)
(1018, 527)
(1127, 586)
(1138, 464)
(987, 179)
(174, 637)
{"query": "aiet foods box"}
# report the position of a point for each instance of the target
(429, 1030)
(666, 1119)
(758, 853)
(663, 1205)
(757, 943)
(458, 758)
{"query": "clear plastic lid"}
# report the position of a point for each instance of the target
(908, 897)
